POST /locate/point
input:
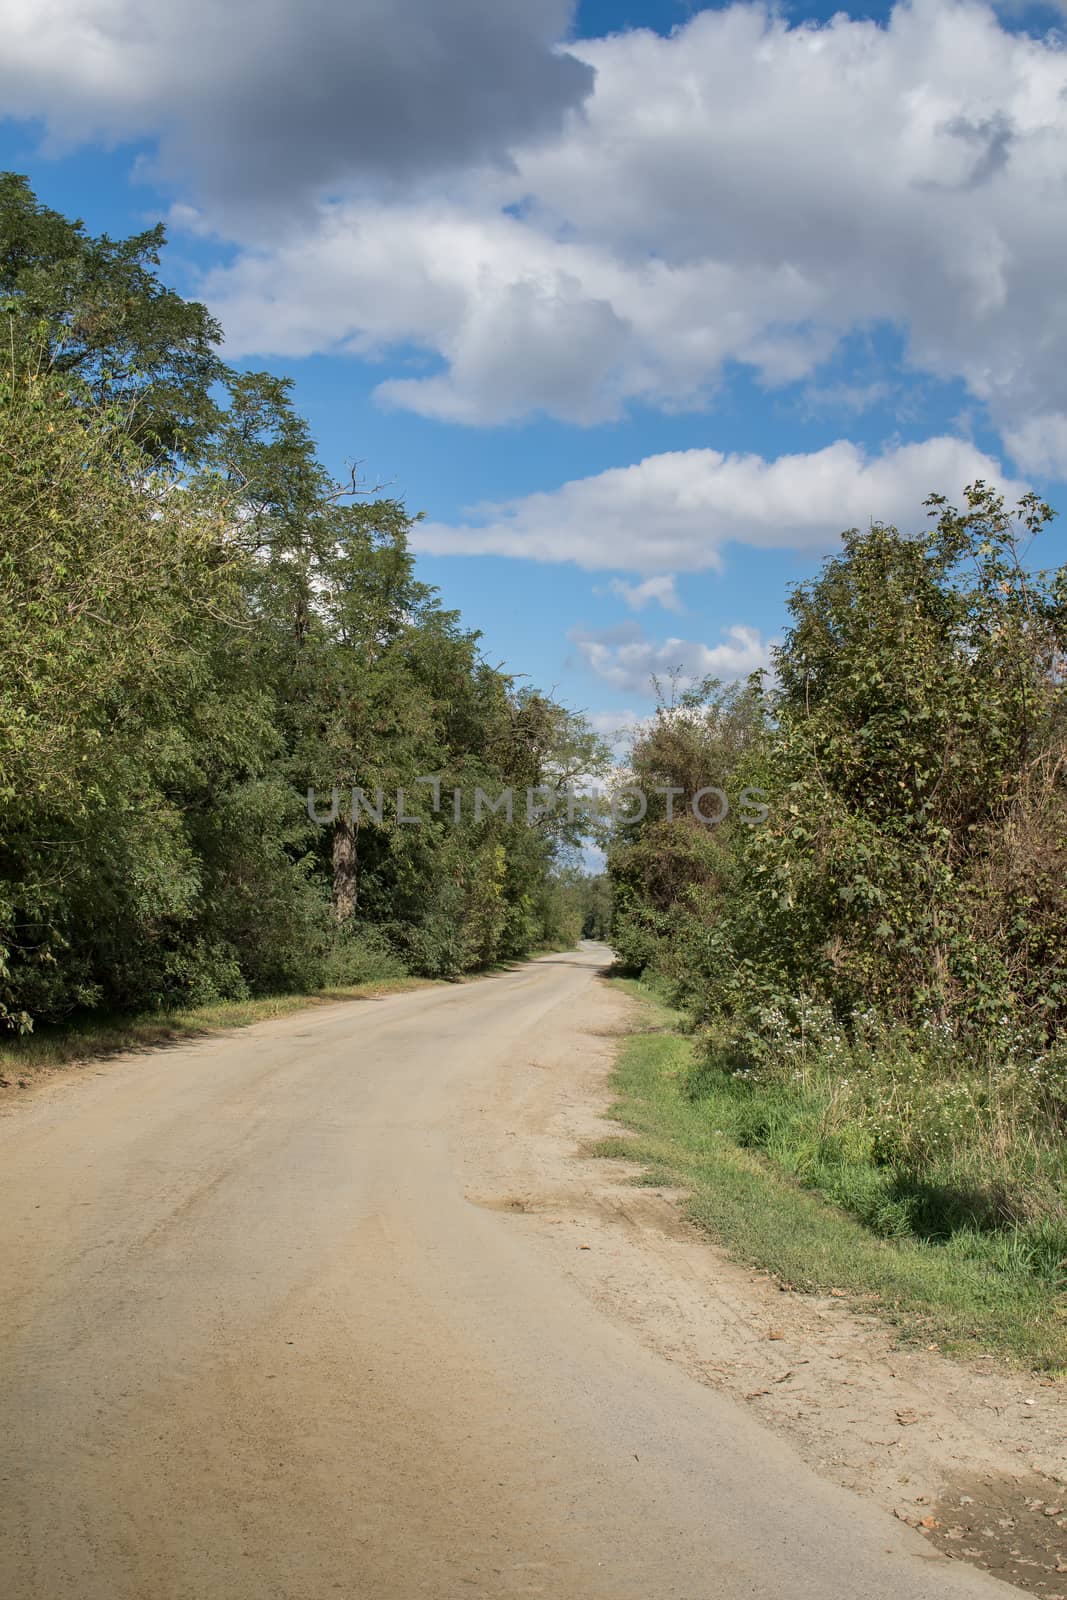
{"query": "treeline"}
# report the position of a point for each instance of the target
(197, 624)
(878, 970)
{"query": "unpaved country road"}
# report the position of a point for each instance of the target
(257, 1340)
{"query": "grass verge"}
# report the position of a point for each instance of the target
(25, 1059)
(934, 1290)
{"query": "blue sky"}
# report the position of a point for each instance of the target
(641, 303)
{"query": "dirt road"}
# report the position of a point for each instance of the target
(273, 1325)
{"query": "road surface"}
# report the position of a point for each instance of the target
(257, 1342)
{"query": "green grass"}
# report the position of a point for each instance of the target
(968, 1290)
(90, 1038)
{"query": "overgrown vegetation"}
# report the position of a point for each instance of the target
(197, 624)
(875, 973)
(733, 1143)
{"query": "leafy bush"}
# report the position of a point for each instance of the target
(360, 954)
(882, 964)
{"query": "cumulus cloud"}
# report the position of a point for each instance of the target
(627, 660)
(677, 510)
(572, 229)
(745, 190)
(260, 101)
(1040, 444)
(660, 590)
(522, 322)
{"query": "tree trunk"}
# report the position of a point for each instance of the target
(344, 869)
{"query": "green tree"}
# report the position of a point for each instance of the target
(94, 309)
(921, 720)
(106, 571)
(912, 866)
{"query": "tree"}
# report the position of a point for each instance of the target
(670, 869)
(106, 571)
(921, 716)
(93, 309)
(914, 755)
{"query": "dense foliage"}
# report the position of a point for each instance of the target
(197, 625)
(880, 966)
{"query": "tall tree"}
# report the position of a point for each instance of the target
(94, 309)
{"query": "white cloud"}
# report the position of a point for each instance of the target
(660, 589)
(1040, 444)
(679, 509)
(618, 728)
(745, 190)
(624, 658)
(523, 322)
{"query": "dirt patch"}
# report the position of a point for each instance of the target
(973, 1456)
(1014, 1528)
